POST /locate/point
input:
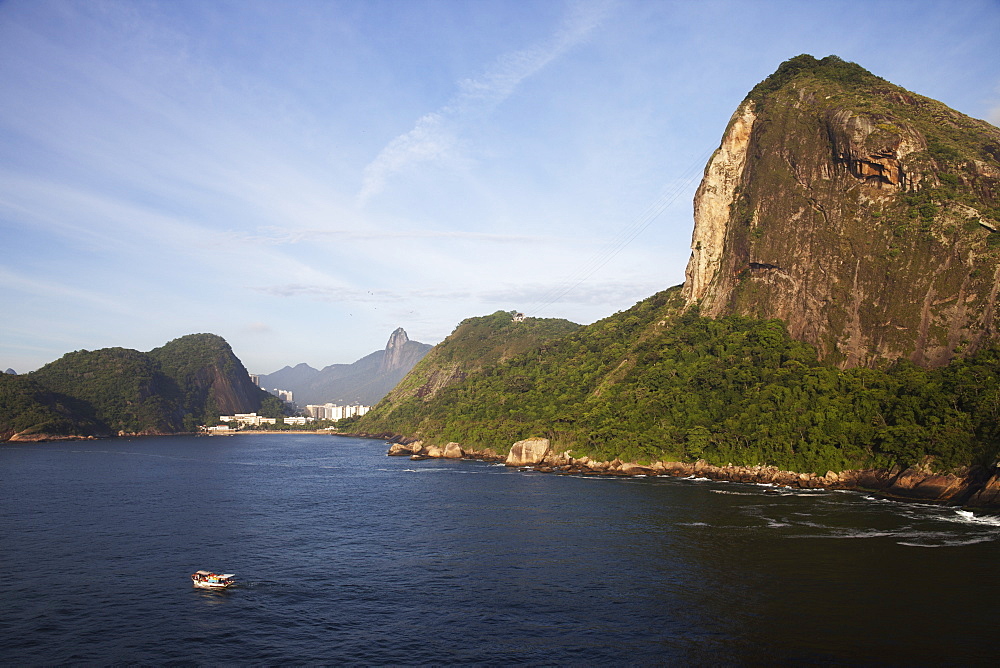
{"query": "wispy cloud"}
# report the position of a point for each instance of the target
(435, 136)
(45, 290)
(328, 293)
(586, 293)
(273, 235)
(258, 328)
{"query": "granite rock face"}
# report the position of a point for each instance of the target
(452, 451)
(528, 452)
(857, 212)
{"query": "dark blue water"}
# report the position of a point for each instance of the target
(346, 556)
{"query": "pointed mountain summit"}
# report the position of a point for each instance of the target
(863, 215)
(394, 354)
(364, 382)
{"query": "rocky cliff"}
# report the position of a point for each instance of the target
(861, 214)
(212, 380)
(846, 254)
(394, 356)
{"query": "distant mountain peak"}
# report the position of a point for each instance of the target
(397, 338)
(365, 381)
(393, 357)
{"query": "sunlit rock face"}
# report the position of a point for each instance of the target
(861, 214)
(713, 202)
(528, 452)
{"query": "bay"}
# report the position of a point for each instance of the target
(346, 556)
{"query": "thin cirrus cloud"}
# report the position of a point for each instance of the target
(348, 294)
(436, 136)
(508, 294)
(47, 289)
(277, 236)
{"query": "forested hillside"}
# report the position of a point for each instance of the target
(210, 380)
(846, 241)
(123, 389)
(32, 411)
(475, 344)
(657, 382)
(173, 388)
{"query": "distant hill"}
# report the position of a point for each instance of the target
(478, 345)
(364, 382)
(187, 382)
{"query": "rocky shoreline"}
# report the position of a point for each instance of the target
(973, 488)
(44, 438)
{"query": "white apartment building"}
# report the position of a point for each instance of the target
(334, 412)
(284, 395)
(248, 419)
(299, 420)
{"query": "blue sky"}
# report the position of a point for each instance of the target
(304, 177)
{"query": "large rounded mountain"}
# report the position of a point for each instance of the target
(863, 215)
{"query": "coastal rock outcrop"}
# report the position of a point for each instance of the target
(974, 487)
(989, 494)
(406, 449)
(452, 451)
(528, 452)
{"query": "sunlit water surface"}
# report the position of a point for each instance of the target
(346, 556)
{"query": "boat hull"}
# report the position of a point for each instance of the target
(210, 580)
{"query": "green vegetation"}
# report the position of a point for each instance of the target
(28, 408)
(653, 383)
(192, 362)
(873, 204)
(121, 388)
(317, 425)
(117, 390)
(475, 344)
(270, 407)
(493, 338)
(831, 68)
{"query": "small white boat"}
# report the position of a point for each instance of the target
(209, 580)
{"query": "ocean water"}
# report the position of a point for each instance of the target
(346, 556)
